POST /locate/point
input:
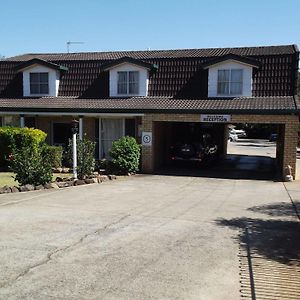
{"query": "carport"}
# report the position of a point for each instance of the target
(165, 128)
(169, 134)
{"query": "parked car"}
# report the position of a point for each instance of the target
(273, 137)
(202, 150)
(233, 137)
(239, 132)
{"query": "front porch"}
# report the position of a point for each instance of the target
(102, 129)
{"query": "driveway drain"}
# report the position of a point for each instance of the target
(264, 278)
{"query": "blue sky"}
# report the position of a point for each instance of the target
(46, 26)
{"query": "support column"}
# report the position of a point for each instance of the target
(80, 127)
(22, 121)
(147, 151)
(290, 144)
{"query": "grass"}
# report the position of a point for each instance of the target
(6, 178)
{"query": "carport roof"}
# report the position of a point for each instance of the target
(238, 105)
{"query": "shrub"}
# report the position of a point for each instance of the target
(31, 164)
(15, 137)
(85, 156)
(125, 154)
(55, 154)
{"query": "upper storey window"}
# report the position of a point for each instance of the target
(128, 83)
(39, 83)
(41, 78)
(230, 82)
(129, 77)
(230, 76)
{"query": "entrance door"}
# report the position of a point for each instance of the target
(61, 134)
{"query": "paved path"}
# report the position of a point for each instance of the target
(145, 237)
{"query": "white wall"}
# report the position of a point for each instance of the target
(113, 79)
(230, 64)
(53, 80)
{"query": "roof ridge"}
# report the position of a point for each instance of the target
(153, 51)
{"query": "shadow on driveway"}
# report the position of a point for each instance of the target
(274, 239)
(233, 166)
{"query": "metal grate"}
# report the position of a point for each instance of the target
(262, 278)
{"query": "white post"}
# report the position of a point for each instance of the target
(74, 156)
(22, 121)
(81, 127)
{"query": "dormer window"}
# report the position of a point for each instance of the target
(128, 83)
(230, 76)
(230, 82)
(39, 83)
(129, 76)
(40, 77)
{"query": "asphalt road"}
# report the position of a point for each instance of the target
(144, 237)
(255, 147)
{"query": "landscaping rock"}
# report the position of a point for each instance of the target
(4, 190)
(51, 185)
(14, 189)
(65, 170)
(70, 182)
(59, 170)
(95, 180)
(26, 188)
(92, 176)
(112, 177)
(96, 173)
(39, 187)
(58, 179)
(89, 180)
(62, 184)
(67, 179)
(102, 178)
(79, 182)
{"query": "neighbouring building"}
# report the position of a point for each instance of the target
(153, 95)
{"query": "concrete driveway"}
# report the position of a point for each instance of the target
(143, 237)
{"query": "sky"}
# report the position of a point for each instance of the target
(35, 26)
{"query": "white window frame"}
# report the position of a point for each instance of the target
(38, 83)
(229, 82)
(128, 83)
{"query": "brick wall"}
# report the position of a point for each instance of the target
(289, 134)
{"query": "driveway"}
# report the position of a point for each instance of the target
(149, 237)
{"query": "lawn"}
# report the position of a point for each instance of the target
(6, 178)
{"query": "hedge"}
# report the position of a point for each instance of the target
(55, 155)
(125, 154)
(13, 137)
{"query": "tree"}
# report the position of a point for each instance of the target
(298, 85)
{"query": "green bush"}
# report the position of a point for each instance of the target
(85, 156)
(55, 154)
(31, 164)
(125, 154)
(15, 137)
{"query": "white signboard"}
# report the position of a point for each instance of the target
(147, 138)
(215, 118)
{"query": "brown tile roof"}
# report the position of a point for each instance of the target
(151, 54)
(254, 105)
(180, 73)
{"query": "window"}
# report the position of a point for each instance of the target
(230, 82)
(111, 130)
(128, 83)
(13, 121)
(30, 122)
(39, 83)
(61, 133)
